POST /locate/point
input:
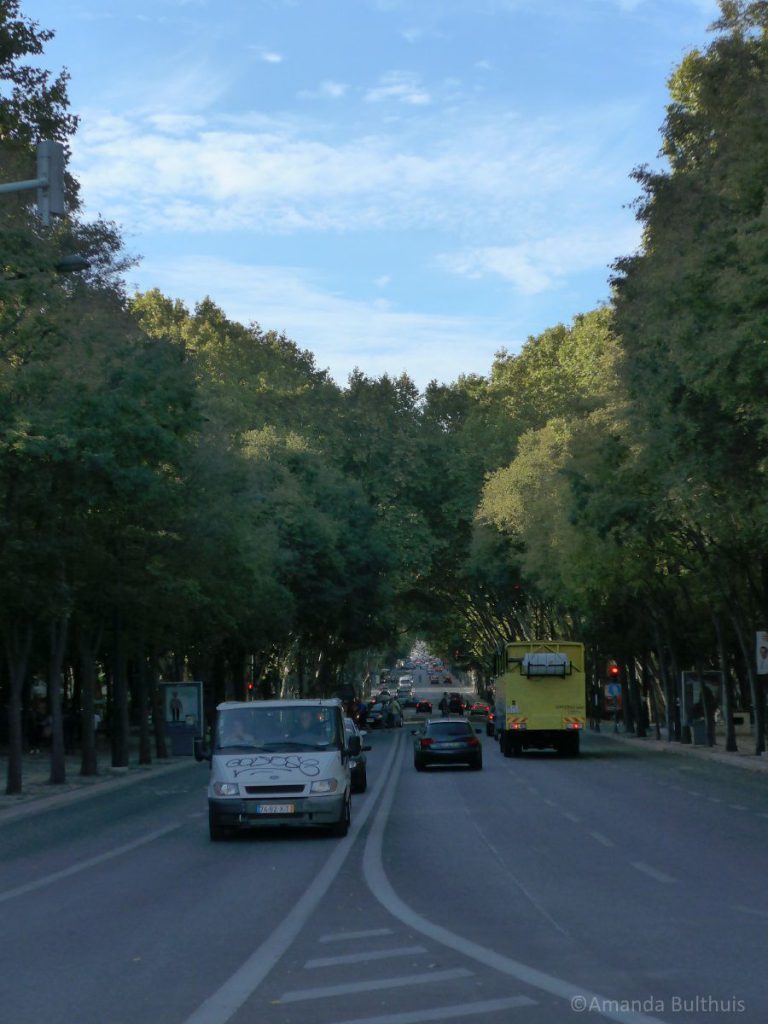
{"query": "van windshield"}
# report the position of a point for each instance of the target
(277, 728)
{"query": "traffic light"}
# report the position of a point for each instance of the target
(613, 673)
(50, 169)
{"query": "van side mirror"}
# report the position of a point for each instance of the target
(202, 753)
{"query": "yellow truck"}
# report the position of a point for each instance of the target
(541, 697)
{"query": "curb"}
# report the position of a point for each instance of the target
(31, 803)
(647, 744)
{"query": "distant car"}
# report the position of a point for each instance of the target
(446, 741)
(410, 701)
(478, 709)
(434, 680)
(456, 704)
(358, 764)
(383, 715)
(424, 705)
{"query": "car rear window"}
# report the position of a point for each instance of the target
(449, 728)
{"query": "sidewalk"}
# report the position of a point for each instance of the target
(38, 794)
(743, 758)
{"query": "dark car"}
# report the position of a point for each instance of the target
(446, 741)
(456, 704)
(478, 709)
(424, 705)
(385, 715)
(357, 763)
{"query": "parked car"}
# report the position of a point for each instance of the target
(424, 705)
(358, 763)
(446, 741)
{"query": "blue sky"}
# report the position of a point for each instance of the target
(399, 185)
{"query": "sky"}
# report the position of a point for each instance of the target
(397, 185)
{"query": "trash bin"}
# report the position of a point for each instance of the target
(699, 732)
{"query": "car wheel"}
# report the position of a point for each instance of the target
(363, 783)
(341, 827)
(477, 765)
(418, 764)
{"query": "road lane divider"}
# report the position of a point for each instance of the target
(363, 958)
(351, 988)
(378, 883)
(225, 1002)
(83, 865)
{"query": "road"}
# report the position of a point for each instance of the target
(620, 886)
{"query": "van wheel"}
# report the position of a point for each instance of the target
(341, 827)
(215, 830)
(363, 785)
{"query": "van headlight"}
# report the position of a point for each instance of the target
(324, 786)
(226, 789)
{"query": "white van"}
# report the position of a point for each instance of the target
(277, 763)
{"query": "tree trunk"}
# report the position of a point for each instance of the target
(89, 764)
(17, 637)
(58, 644)
(120, 723)
(158, 712)
(756, 687)
(142, 694)
(730, 729)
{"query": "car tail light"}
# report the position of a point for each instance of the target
(473, 741)
(425, 743)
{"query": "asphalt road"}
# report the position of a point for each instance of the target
(620, 885)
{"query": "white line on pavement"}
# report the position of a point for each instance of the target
(602, 839)
(379, 885)
(343, 936)
(646, 869)
(571, 817)
(375, 984)
(473, 1011)
(361, 958)
(82, 865)
(227, 1000)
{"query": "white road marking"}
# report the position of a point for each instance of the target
(751, 910)
(343, 936)
(475, 1011)
(646, 869)
(375, 984)
(361, 958)
(83, 865)
(571, 817)
(602, 839)
(379, 885)
(738, 807)
(224, 1003)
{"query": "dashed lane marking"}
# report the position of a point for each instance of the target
(343, 936)
(646, 869)
(473, 1011)
(375, 984)
(361, 958)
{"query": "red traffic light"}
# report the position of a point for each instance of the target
(614, 671)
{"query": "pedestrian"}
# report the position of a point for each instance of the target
(444, 704)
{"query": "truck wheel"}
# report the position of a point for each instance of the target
(506, 744)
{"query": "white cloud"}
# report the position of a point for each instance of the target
(540, 264)
(403, 86)
(327, 90)
(382, 281)
(270, 56)
(342, 333)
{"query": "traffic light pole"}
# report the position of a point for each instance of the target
(49, 181)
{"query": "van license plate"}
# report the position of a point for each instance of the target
(275, 808)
